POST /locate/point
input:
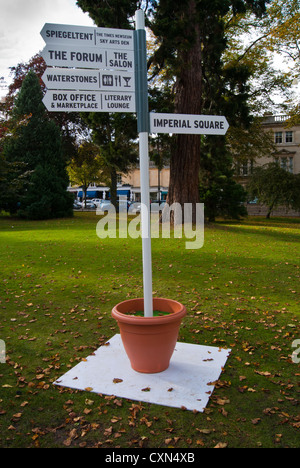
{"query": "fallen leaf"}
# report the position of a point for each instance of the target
(204, 431)
(117, 380)
(255, 421)
(221, 445)
(89, 402)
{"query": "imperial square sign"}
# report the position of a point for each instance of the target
(188, 124)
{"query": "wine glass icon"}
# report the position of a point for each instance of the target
(127, 79)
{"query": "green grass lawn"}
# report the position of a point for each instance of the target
(58, 284)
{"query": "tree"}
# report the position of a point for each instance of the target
(87, 167)
(194, 43)
(13, 182)
(114, 134)
(191, 41)
(249, 144)
(71, 124)
(274, 186)
(38, 144)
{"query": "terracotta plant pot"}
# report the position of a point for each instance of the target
(149, 341)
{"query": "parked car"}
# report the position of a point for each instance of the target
(134, 208)
(77, 205)
(97, 201)
(106, 206)
(89, 205)
(157, 206)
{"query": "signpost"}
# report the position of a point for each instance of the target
(144, 129)
(105, 70)
(98, 73)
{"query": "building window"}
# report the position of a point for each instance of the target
(289, 137)
(245, 168)
(119, 179)
(278, 137)
(283, 163)
(287, 164)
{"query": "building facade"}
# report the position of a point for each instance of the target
(287, 155)
(287, 142)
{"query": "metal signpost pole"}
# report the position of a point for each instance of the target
(144, 130)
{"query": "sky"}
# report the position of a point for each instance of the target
(21, 22)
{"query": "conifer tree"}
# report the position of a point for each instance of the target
(191, 41)
(37, 144)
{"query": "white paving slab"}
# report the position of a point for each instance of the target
(186, 383)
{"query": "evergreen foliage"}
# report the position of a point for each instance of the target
(273, 186)
(38, 145)
(191, 41)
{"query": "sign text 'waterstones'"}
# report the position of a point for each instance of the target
(88, 36)
(188, 124)
(90, 80)
(87, 57)
(84, 101)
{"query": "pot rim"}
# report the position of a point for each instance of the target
(179, 312)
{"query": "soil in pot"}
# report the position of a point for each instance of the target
(140, 313)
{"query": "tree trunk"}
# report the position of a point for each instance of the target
(113, 187)
(85, 187)
(185, 154)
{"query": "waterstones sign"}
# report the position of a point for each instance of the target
(90, 80)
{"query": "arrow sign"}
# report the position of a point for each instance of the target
(188, 124)
(89, 80)
(120, 39)
(89, 101)
(88, 57)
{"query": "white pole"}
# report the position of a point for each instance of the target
(146, 226)
(143, 116)
(139, 20)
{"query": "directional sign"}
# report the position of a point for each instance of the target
(88, 57)
(119, 39)
(188, 124)
(90, 80)
(89, 101)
